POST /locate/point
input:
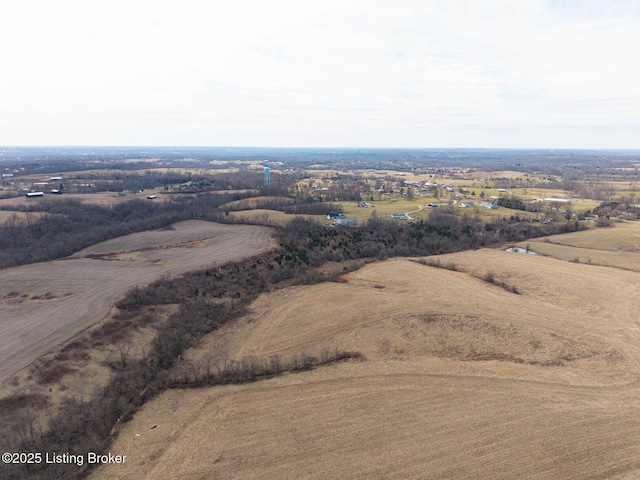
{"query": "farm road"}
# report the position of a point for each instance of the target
(43, 305)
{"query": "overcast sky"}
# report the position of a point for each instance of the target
(348, 73)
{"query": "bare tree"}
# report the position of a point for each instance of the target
(207, 361)
(195, 370)
(276, 364)
(124, 346)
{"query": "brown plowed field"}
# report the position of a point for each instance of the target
(461, 379)
(45, 304)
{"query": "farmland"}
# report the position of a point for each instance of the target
(103, 198)
(616, 246)
(536, 384)
(225, 363)
(44, 304)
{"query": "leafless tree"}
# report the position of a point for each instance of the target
(276, 364)
(207, 361)
(124, 346)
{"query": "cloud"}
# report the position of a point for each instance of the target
(287, 72)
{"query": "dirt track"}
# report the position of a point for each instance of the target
(44, 304)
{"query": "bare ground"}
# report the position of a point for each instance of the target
(42, 305)
(462, 379)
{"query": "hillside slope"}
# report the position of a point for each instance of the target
(461, 379)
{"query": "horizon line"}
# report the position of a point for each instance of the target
(253, 147)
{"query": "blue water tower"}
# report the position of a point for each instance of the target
(267, 176)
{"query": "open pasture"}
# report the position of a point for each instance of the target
(615, 246)
(623, 260)
(384, 207)
(45, 304)
(255, 202)
(461, 379)
(623, 236)
(100, 198)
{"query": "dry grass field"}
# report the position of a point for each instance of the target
(460, 379)
(384, 207)
(45, 304)
(101, 198)
(617, 246)
(623, 236)
(254, 202)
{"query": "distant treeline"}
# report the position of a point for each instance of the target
(301, 205)
(118, 181)
(511, 202)
(185, 181)
(53, 159)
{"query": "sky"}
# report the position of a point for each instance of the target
(321, 73)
